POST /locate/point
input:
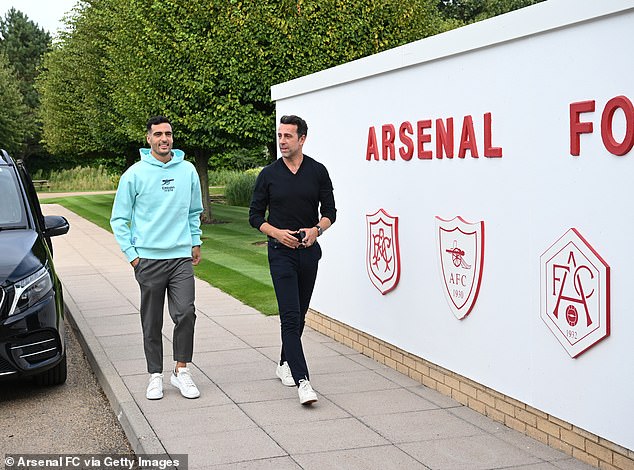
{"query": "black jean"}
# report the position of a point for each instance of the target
(294, 273)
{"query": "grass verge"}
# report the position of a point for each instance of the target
(234, 255)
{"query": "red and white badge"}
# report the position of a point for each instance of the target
(460, 248)
(575, 293)
(383, 259)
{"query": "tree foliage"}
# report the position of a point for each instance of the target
(24, 44)
(469, 11)
(76, 92)
(14, 122)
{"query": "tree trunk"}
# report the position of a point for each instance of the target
(202, 163)
(131, 155)
(272, 148)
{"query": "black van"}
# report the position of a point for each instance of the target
(31, 303)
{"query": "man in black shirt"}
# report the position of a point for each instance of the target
(294, 188)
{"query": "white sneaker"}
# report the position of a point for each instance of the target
(155, 387)
(184, 382)
(284, 373)
(306, 393)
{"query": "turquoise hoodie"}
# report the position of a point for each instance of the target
(156, 212)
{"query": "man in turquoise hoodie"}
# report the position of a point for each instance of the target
(156, 221)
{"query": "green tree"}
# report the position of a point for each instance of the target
(207, 64)
(14, 125)
(24, 44)
(76, 93)
(342, 31)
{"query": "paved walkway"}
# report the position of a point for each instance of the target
(368, 416)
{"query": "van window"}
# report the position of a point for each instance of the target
(12, 213)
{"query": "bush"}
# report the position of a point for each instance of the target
(221, 177)
(240, 159)
(239, 188)
(79, 179)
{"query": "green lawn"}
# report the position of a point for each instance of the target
(234, 254)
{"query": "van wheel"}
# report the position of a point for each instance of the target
(54, 376)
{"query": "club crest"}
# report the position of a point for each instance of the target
(383, 260)
(575, 293)
(460, 248)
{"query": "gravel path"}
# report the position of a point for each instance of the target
(74, 418)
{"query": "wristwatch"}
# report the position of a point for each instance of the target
(319, 230)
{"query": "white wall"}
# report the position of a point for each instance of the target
(525, 68)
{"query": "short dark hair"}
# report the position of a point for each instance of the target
(302, 127)
(154, 120)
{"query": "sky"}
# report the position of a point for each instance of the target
(47, 14)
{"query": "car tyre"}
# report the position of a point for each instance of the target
(54, 376)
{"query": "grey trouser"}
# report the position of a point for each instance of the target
(176, 277)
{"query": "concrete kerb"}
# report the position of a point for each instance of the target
(142, 437)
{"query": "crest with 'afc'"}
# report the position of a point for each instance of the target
(460, 248)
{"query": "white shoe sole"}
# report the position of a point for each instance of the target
(308, 401)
